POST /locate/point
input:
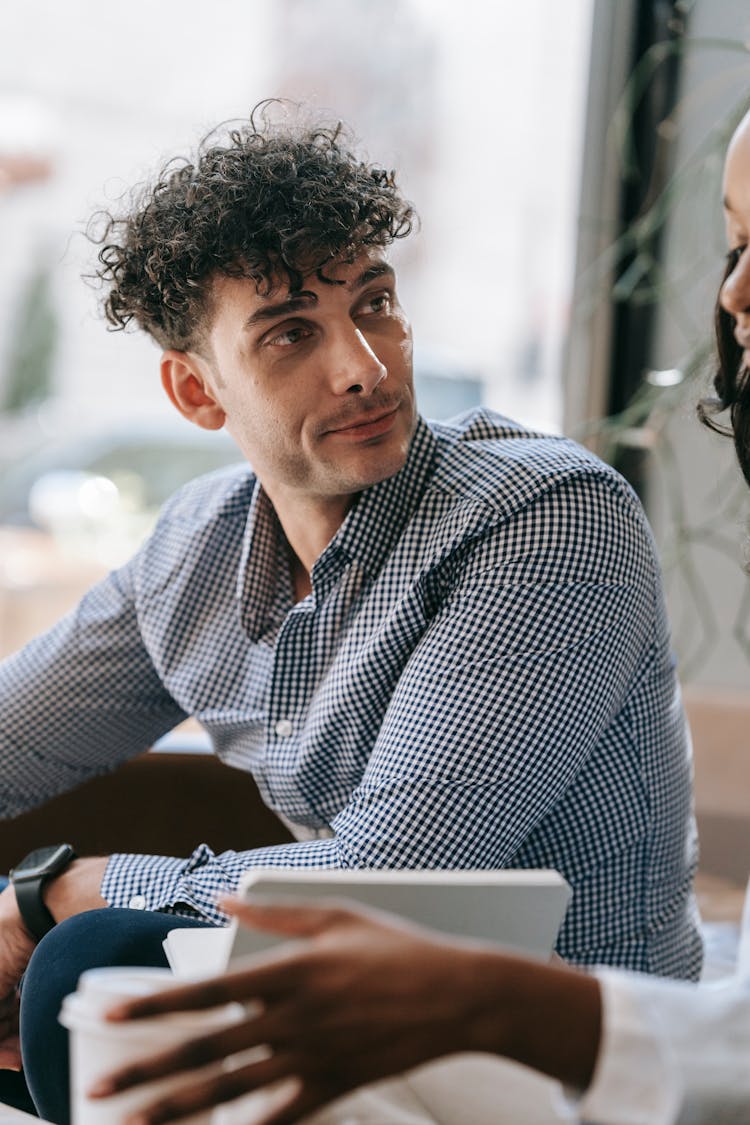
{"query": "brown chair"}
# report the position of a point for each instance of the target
(161, 803)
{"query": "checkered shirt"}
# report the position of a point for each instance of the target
(480, 678)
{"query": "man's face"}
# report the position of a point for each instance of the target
(316, 386)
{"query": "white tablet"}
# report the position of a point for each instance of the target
(519, 909)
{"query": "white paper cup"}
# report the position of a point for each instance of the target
(98, 1047)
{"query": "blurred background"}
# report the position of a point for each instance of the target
(565, 160)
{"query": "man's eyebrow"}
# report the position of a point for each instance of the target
(379, 269)
(301, 300)
(305, 299)
(726, 204)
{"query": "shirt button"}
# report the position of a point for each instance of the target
(284, 728)
(137, 902)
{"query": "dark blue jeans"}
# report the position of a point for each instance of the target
(92, 940)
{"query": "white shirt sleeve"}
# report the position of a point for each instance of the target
(672, 1053)
(636, 1081)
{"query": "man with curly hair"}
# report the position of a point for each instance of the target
(433, 645)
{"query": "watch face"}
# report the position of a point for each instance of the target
(43, 861)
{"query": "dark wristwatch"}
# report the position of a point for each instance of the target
(29, 876)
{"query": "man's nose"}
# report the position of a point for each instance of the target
(355, 368)
(735, 292)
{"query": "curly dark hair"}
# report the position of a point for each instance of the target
(731, 384)
(274, 202)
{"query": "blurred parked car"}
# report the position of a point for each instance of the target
(150, 462)
(75, 506)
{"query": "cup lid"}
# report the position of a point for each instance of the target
(124, 981)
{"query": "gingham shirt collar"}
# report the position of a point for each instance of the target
(263, 583)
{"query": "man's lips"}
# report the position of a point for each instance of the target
(365, 425)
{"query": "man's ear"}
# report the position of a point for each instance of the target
(185, 381)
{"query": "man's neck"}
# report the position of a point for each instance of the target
(309, 524)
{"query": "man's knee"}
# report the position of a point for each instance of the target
(92, 940)
(95, 939)
(77, 944)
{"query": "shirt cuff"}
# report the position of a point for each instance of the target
(190, 887)
(148, 882)
(635, 1079)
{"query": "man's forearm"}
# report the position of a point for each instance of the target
(76, 889)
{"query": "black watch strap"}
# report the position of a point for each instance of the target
(28, 879)
(37, 918)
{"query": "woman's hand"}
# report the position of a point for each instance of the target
(361, 997)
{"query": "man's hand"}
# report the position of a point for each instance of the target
(74, 890)
(363, 997)
(16, 947)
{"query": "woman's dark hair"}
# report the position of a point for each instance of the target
(274, 202)
(731, 384)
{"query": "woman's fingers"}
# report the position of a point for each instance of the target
(292, 917)
(265, 978)
(276, 1029)
(288, 1094)
(213, 1090)
(192, 1055)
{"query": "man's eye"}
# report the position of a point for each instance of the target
(734, 256)
(290, 336)
(377, 303)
